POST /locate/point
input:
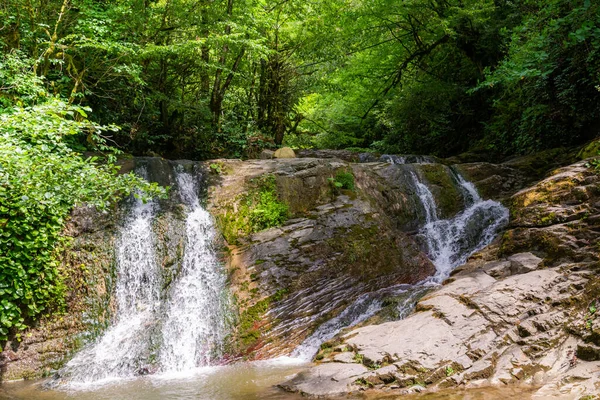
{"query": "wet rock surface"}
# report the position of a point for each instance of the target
(337, 245)
(521, 311)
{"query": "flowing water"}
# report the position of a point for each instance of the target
(448, 242)
(120, 351)
(169, 333)
(195, 321)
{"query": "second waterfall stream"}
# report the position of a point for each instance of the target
(448, 243)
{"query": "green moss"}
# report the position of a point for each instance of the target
(590, 150)
(363, 382)
(251, 320)
(548, 219)
(366, 251)
(447, 195)
(260, 208)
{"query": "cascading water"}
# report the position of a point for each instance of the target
(121, 351)
(152, 330)
(406, 159)
(449, 244)
(195, 320)
(451, 241)
(363, 308)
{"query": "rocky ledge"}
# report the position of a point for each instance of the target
(522, 311)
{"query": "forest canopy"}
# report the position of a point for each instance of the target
(209, 78)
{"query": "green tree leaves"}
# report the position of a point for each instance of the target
(41, 179)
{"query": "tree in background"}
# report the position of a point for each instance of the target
(207, 78)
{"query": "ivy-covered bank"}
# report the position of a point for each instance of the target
(42, 178)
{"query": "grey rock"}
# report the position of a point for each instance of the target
(498, 269)
(588, 352)
(524, 262)
(266, 154)
(326, 380)
(345, 357)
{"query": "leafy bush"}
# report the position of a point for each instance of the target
(343, 180)
(259, 209)
(41, 180)
(266, 209)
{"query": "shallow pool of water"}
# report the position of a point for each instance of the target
(243, 381)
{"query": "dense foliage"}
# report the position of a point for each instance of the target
(229, 77)
(41, 179)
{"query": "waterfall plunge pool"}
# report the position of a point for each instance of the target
(241, 381)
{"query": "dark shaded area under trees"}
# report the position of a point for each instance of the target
(204, 78)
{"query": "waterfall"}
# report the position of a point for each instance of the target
(449, 244)
(406, 159)
(121, 350)
(156, 330)
(195, 319)
(363, 308)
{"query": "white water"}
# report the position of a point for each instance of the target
(195, 320)
(363, 308)
(180, 331)
(449, 243)
(406, 159)
(120, 352)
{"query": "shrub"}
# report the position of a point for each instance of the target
(342, 180)
(259, 209)
(41, 180)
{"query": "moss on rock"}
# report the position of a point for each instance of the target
(444, 187)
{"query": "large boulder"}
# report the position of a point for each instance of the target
(337, 245)
(284, 152)
(590, 150)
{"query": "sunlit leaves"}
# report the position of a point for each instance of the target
(41, 179)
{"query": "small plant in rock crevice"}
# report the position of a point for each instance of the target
(216, 168)
(592, 309)
(343, 180)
